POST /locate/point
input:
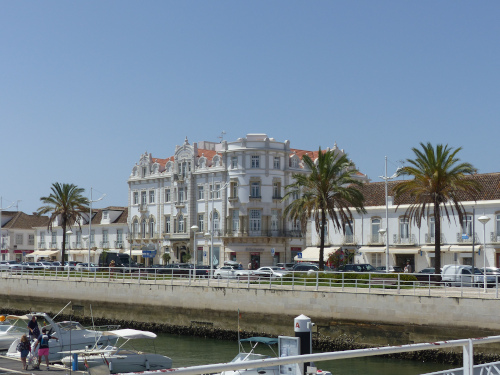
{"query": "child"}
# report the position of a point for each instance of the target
(24, 348)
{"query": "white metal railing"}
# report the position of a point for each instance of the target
(467, 345)
(363, 282)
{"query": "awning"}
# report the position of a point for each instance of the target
(464, 249)
(43, 253)
(404, 250)
(372, 249)
(79, 252)
(311, 254)
(431, 248)
(134, 252)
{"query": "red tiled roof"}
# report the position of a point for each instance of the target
(20, 220)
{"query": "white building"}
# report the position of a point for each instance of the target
(108, 232)
(365, 244)
(231, 191)
(17, 239)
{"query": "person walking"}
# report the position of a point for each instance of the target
(24, 347)
(43, 340)
(408, 267)
(34, 331)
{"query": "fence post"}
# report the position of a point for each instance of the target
(468, 358)
(317, 280)
(399, 283)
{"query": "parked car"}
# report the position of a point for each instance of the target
(362, 267)
(286, 266)
(492, 271)
(70, 265)
(305, 267)
(427, 274)
(230, 272)
(57, 266)
(33, 266)
(5, 264)
(462, 275)
(45, 265)
(17, 267)
(270, 272)
(391, 269)
(85, 267)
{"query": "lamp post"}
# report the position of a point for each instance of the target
(386, 178)
(484, 219)
(210, 236)
(382, 233)
(194, 229)
(90, 222)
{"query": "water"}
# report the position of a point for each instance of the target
(192, 351)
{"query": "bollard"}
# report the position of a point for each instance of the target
(303, 329)
(75, 362)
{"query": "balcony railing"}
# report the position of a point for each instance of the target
(349, 239)
(41, 245)
(467, 240)
(405, 240)
(119, 244)
(376, 239)
(431, 239)
(104, 244)
(495, 237)
(77, 245)
(143, 207)
(53, 245)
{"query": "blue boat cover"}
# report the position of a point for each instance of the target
(262, 340)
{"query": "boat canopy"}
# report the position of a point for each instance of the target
(261, 340)
(128, 334)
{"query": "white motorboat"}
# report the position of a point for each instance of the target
(253, 356)
(71, 336)
(120, 358)
(11, 329)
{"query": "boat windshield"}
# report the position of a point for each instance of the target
(66, 326)
(249, 357)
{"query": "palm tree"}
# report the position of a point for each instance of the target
(67, 203)
(438, 186)
(329, 189)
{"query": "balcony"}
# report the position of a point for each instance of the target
(118, 244)
(143, 207)
(431, 239)
(495, 237)
(404, 240)
(104, 244)
(41, 245)
(467, 240)
(77, 245)
(349, 239)
(53, 245)
(375, 239)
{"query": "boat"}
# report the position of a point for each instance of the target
(253, 356)
(10, 330)
(120, 358)
(71, 335)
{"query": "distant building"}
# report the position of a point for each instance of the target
(108, 232)
(231, 191)
(365, 244)
(17, 234)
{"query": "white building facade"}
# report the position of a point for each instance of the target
(108, 232)
(461, 242)
(214, 202)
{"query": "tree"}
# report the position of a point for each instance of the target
(328, 189)
(66, 204)
(166, 258)
(438, 186)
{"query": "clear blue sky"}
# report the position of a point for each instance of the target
(87, 86)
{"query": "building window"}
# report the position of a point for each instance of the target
(255, 190)
(255, 220)
(432, 227)
(92, 238)
(151, 196)
(296, 225)
(201, 192)
(216, 221)
(211, 191)
(167, 195)
(42, 237)
(497, 225)
(404, 228)
(467, 225)
(119, 236)
(276, 190)
(105, 237)
(376, 259)
(31, 239)
(136, 197)
(233, 189)
(54, 238)
(234, 162)
(255, 161)
(152, 228)
(19, 239)
(144, 228)
(143, 197)
(167, 224)
(274, 220)
(217, 191)
(201, 222)
(375, 228)
(180, 224)
(105, 215)
(144, 171)
(135, 228)
(295, 195)
(236, 220)
(295, 162)
(180, 194)
(276, 164)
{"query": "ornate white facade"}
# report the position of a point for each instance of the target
(232, 191)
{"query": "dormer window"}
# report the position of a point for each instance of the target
(144, 171)
(105, 215)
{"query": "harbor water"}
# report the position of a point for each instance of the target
(192, 351)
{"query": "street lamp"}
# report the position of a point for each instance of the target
(484, 219)
(382, 233)
(194, 229)
(386, 178)
(1, 239)
(90, 221)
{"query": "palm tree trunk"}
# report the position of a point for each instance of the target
(437, 236)
(322, 243)
(63, 246)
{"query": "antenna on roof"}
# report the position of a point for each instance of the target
(221, 136)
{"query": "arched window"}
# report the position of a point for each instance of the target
(143, 228)
(180, 223)
(151, 228)
(135, 227)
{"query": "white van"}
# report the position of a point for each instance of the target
(461, 275)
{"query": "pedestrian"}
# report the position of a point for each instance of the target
(34, 331)
(250, 265)
(240, 267)
(408, 267)
(43, 340)
(24, 347)
(112, 266)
